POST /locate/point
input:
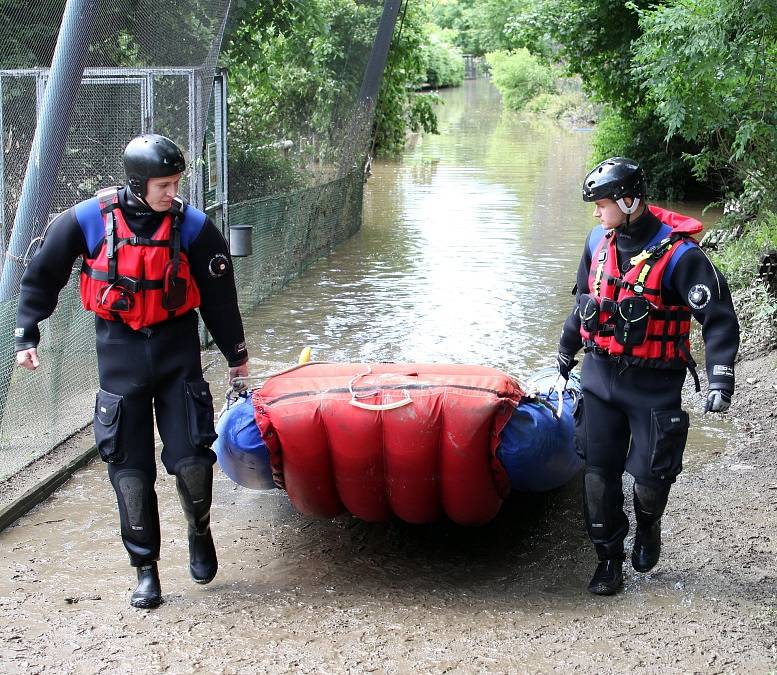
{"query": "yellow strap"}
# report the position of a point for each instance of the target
(640, 257)
(643, 274)
(598, 278)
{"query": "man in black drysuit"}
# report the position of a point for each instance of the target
(636, 340)
(148, 261)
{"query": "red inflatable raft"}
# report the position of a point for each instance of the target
(414, 440)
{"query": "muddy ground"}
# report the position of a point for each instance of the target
(300, 595)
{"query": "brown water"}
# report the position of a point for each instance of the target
(468, 254)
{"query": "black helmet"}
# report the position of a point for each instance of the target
(151, 156)
(614, 178)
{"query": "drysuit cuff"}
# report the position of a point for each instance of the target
(721, 377)
(26, 338)
(239, 361)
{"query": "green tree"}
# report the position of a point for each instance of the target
(400, 109)
(443, 62)
(480, 25)
(593, 39)
(519, 76)
(708, 67)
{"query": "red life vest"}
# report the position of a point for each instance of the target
(133, 279)
(625, 316)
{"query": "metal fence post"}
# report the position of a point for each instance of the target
(373, 73)
(372, 79)
(48, 148)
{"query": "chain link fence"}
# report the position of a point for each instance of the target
(297, 182)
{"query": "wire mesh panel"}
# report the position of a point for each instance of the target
(292, 170)
(291, 230)
(147, 67)
(95, 149)
(18, 104)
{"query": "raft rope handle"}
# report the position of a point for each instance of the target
(382, 406)
(560, 392)
(373, 406)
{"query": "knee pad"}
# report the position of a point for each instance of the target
(194, 480)
(133, 492)
(605, 520)
(138, 514)
(650, 501)
(196, 477)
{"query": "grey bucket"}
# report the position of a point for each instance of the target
(240, 240)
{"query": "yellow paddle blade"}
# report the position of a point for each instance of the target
(304, 356)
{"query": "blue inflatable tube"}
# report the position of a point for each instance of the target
(240, 450)
(536, 449)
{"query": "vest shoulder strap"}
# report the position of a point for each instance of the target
(678, 253)
(594, 238)
(108, 194)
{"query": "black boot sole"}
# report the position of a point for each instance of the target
(203, 581)
(608, 578)
(606, 590)
(146, 603)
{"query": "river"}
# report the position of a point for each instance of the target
(467, 254)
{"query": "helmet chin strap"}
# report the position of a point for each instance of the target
(628, 210)
(133, 201)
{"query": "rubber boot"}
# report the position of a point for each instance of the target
(194, 481)
(607, 527)
(148, 593)
(608, 576)
(203, 563)
(649, 504)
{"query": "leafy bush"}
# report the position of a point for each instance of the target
(738, 258)
(400, 109)
(519, 76)
(641, 137)
(708, 68)
(263, 171)
(444, 63)
(613, 137)
(570, 106)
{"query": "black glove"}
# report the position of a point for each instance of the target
(565, 362)
(718, 398)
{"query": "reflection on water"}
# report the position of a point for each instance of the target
(467, 254)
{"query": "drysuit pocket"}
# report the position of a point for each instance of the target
(175, 287)
(668, 434)
(581, 429)
(199, 410)
(588, 309)
(631, 321)
(107, 422)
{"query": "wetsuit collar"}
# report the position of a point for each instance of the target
(133, 205)
(639, 230)
(140, 217)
